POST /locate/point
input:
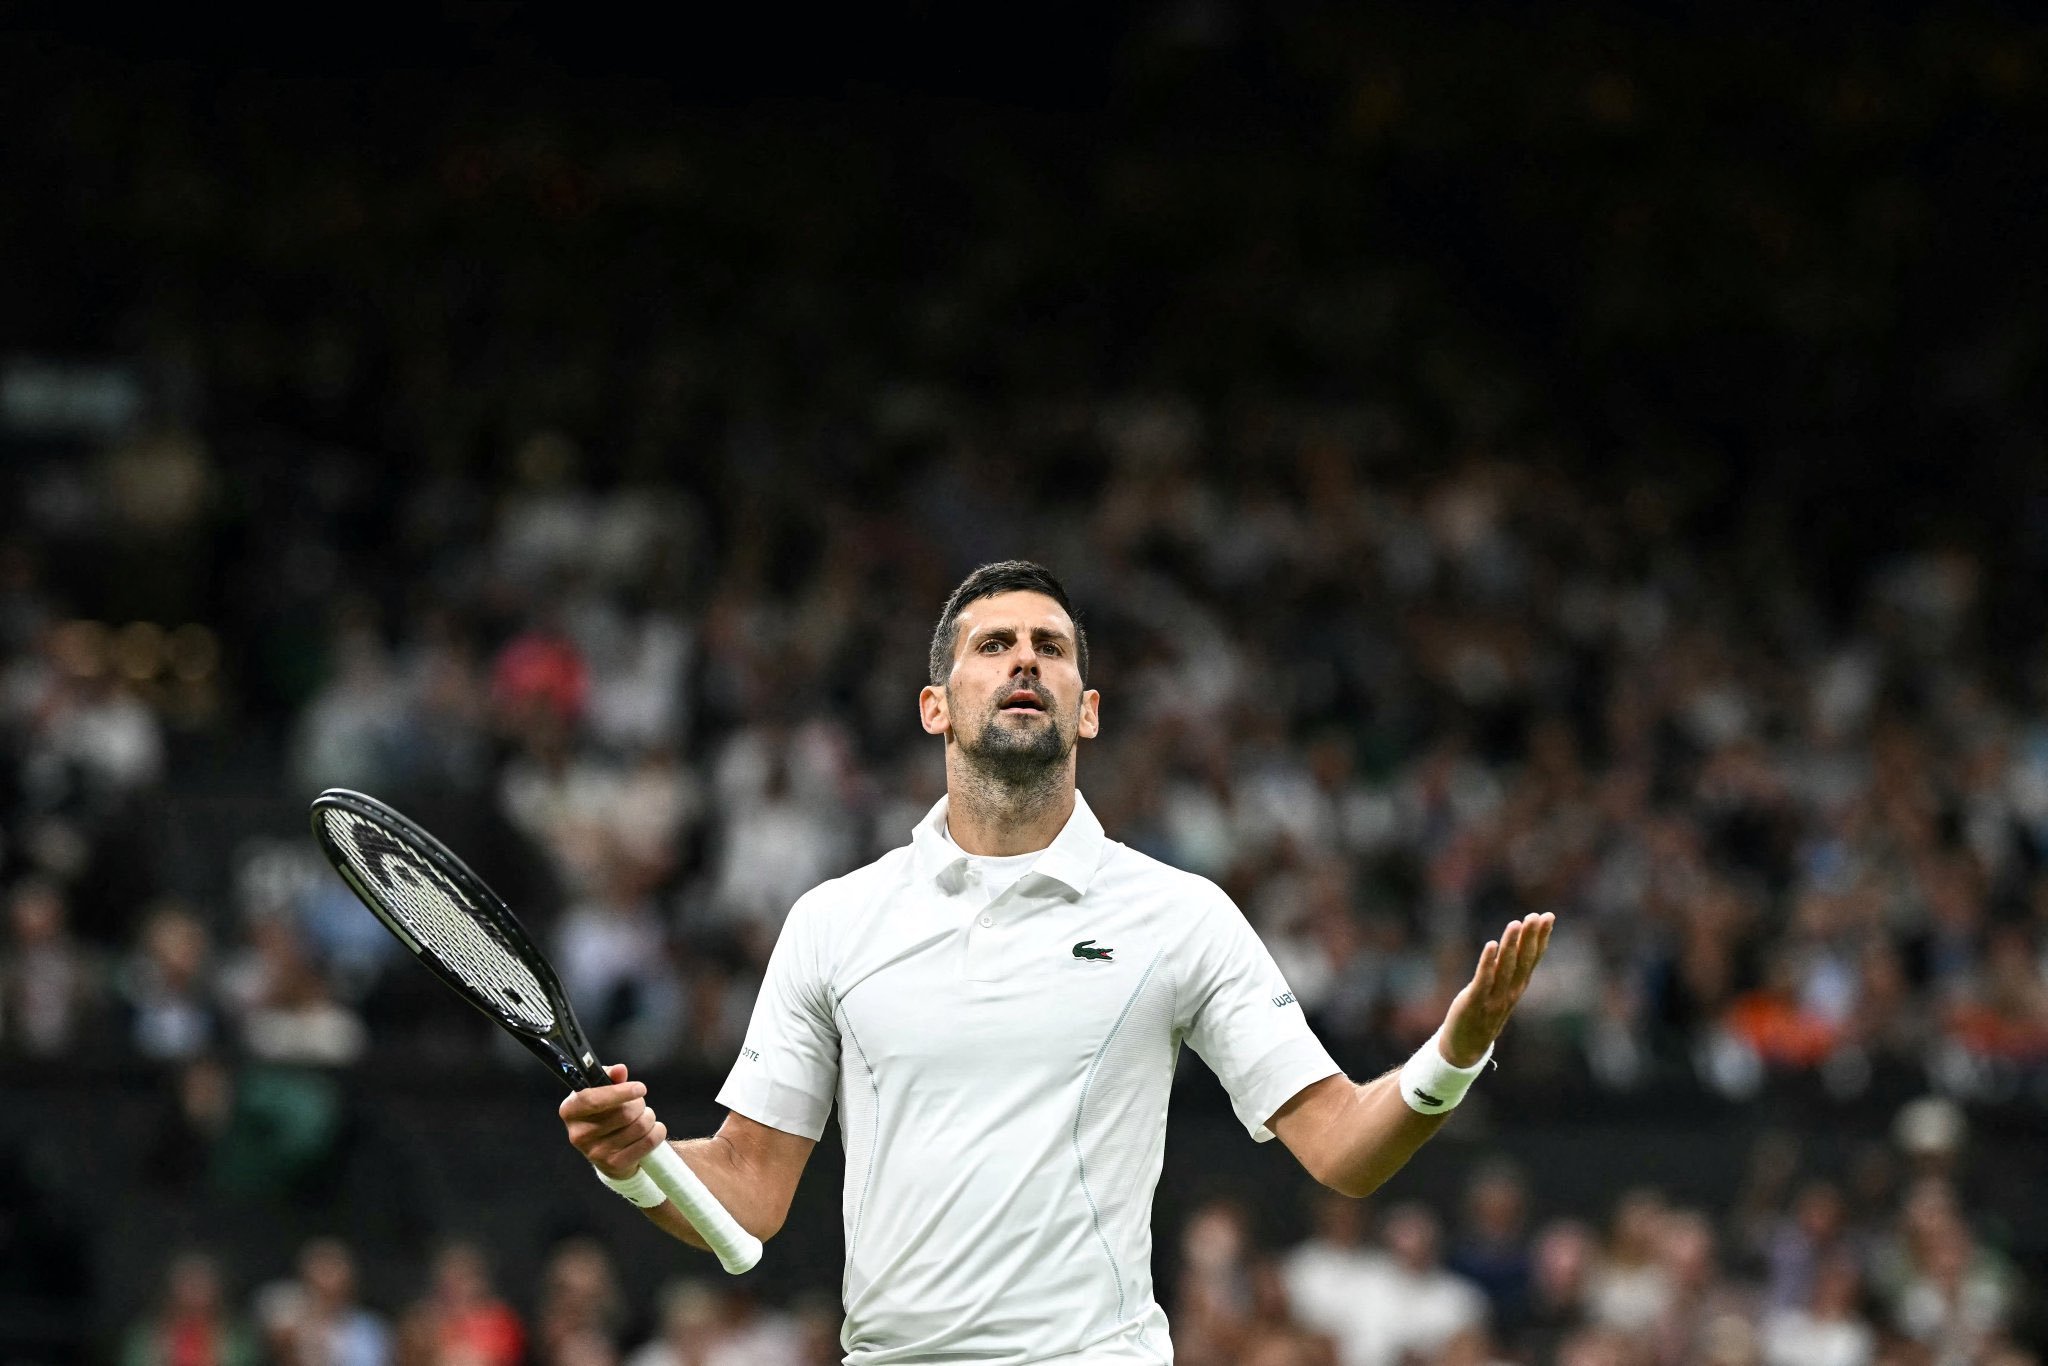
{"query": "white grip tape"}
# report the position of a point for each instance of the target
(737, 1250)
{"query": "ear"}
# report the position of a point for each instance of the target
(931, 710)
(1091, 714)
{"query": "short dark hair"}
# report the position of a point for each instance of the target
(1004, 576)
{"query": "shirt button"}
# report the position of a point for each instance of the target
(987, 921)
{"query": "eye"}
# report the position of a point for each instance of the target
(992, 646)
(1050, 648)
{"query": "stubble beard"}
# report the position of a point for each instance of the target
(1017, 769)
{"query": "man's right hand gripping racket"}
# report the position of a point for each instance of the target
(458, 927)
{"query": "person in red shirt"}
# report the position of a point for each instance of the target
(193, 1327)
(462, 1317)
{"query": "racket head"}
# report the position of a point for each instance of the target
(454, 923)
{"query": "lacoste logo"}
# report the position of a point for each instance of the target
(1083, 950)
(1427, 1099)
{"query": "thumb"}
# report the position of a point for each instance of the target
(616, 1071)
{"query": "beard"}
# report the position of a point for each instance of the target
(1022, 757)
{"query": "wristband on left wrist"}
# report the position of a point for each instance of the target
(1433, 1085)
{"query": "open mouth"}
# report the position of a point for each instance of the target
(1023, 700)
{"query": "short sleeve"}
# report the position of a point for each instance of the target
(1244, 1022)
(788, 1068)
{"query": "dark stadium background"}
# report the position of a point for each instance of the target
(1585, 457)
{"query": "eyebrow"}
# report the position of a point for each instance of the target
(1037, 633)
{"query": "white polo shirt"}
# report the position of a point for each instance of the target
(1001, 1069)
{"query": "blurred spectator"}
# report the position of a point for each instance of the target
(316, 1319)
(94, 730)
(172, 1015)
(539, 681)
(352, 732)
(613, 956)
(1632, 1288)
(1828, 1328)
(1212, 1304)
(461, 1319)
(1492, 1250)
(688, 1328)
(581, 1312)
(49, 983)
(1272, 1333)
(742, 1333)
(1564, 1261)
(1805, 1240)
(2003, 1018)
(1695, 1323)
(705, 1326)
(775, 841)
(192, 1326)
(1328, 1271)
(285, 1135)
(1404, 1303)
(287, 1010)
(1957, 1297)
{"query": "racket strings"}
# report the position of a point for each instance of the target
(435, 912)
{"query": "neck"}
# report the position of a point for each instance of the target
(985, 815)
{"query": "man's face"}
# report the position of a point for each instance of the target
(1013, 700)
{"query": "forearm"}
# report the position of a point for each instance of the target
(753, 1200)
(1353, 1136)
(1364, 1133)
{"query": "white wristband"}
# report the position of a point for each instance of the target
(639, 1188)
(1431, 1085)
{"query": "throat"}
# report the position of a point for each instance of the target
(989, 816)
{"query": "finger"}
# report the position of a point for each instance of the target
(615, 1070)
(596, 1099)
(616, 1121)
(1510, 951)
(639, 1152)
(622, 1158)
(1489, 963)
(1525, 939)
(606, 1144)
(1534, 940)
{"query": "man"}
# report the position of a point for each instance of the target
(1406, 1306)
(996, 1009)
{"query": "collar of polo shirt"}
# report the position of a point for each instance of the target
(1070, 860)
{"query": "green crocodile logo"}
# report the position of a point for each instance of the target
(1083, 950)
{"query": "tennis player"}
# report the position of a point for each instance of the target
(996, 1008)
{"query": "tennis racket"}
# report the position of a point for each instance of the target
(459, 928)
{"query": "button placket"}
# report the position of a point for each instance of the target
(985, 940)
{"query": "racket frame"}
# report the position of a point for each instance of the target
(563, 1046)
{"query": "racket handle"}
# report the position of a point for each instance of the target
(737, 1249)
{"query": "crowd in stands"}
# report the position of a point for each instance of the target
(578, 1317)
(542, 479)
(1879, 1267)
(1385, 719)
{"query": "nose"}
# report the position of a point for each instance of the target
(1024, 660)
